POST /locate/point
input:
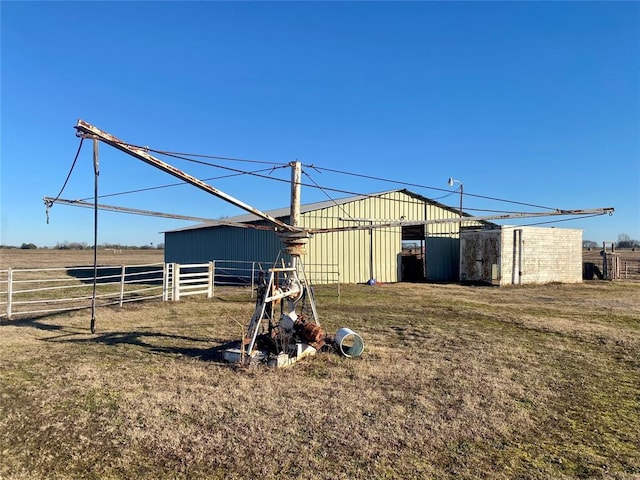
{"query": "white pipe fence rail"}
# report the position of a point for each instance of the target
(184, 280)
(201, 279)
(37, 291)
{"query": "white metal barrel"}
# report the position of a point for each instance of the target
(349, 343)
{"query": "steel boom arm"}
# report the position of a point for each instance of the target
(85, 128)
(49, 201)
(508, 216)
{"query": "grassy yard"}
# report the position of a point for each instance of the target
(455, 382)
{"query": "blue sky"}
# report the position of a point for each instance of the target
(533, 102)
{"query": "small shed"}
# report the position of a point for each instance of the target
(511, 255)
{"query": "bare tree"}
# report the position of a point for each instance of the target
(625, 241)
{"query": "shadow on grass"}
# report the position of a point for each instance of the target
(33, 322)
(148, 340)
(147, 274)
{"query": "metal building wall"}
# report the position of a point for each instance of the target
(220, 243)
(349, 251)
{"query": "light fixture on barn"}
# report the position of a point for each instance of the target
(453, 181)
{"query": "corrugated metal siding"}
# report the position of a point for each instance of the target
(221, 243)
(443, 258)
(350, 251)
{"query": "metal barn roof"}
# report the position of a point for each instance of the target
(309, 207)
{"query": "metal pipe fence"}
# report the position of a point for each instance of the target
(36, 291)
(201, 279)
(620, 265)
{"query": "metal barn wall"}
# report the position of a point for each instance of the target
(349, 251)
(521, 255)
(220, 243)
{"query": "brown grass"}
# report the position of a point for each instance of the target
(455, 382)
(45, 258)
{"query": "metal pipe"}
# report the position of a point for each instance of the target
(96, 171)
(371, 273)
(85, 128)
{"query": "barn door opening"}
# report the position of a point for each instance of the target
(413, 254)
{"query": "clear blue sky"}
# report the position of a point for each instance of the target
(534, 102)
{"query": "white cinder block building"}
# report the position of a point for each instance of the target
(521, 255)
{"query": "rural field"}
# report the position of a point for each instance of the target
(46, 258)
(533, 382)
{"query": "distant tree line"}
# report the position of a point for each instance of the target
(624, 241)
(85, 246)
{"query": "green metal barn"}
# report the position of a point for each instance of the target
(402, 253)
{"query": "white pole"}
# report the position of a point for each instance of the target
(165, 270)
(210, 280)
(176, 282)
(9, 292)
(122, 276)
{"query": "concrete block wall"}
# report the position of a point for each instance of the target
(547, 255)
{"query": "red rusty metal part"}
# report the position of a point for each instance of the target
(312, 333)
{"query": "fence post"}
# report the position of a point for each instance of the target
(210, 279)
(9, 291)
(165, 280)
(626, 270)
(253, 273)
(176, 282)
(122, 277)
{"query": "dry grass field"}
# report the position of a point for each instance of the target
(43, 258)
(532, 382)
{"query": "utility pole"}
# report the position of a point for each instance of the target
(296, 174)
(294, 212)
